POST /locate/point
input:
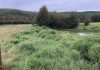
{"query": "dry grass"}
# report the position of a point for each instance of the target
(7, 30)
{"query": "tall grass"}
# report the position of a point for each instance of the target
(42, 48)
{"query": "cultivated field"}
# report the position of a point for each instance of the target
(26, 47)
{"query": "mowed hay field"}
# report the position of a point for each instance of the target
(27, 47)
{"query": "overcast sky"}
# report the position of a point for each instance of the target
(53, 5)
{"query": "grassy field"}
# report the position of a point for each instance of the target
(6, 31)
(42, 48)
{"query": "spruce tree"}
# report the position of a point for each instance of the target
(72, 21)
(43, 16)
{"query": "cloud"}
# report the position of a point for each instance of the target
(53, 5)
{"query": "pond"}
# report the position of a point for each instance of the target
(84, 34)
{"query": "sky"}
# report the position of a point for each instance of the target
(52, 5)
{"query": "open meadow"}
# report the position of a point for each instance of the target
(30, 47)
(49, 35)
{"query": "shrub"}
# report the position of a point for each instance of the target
(72, 21)
(39, 64)
(15, 41)
(95, 18)
(83, 47)
(60, 21)
(47, 34)
(56, 20)
(53, 22)
(86, 21)
(94, 53)
(26, 47)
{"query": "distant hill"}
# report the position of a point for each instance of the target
(14, 14)
(19, 15)
(89, 13)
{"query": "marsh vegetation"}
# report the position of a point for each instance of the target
(43, 48)
(53, 41)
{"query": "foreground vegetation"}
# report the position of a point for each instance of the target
(42, 48)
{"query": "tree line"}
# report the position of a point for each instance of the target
(56, 20)
(12, 16)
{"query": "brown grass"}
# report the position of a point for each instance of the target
(7, 30)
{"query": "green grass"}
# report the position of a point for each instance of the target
(93, 27)
(42, 48)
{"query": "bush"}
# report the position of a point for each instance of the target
(48, 34)
(72, 21)
(26, 47)
(94, 53)
(60, 21)
(86, 21)
(95, 18)
(39, 64)
(53, 21)
(83, 47)
(56, 20)
(15, 41)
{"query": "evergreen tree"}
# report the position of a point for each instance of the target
(95, 18)
(56, 20)
(43, 16)
(72, 21)
(52, 21)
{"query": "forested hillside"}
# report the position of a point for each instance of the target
(18, 16)
(14, 15)
(93, 15)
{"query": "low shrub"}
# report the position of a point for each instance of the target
(39, 64)
(86, 23)
(26, 47)
(94, 53)
(83, 47)
(15, 41)
(47, 34)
